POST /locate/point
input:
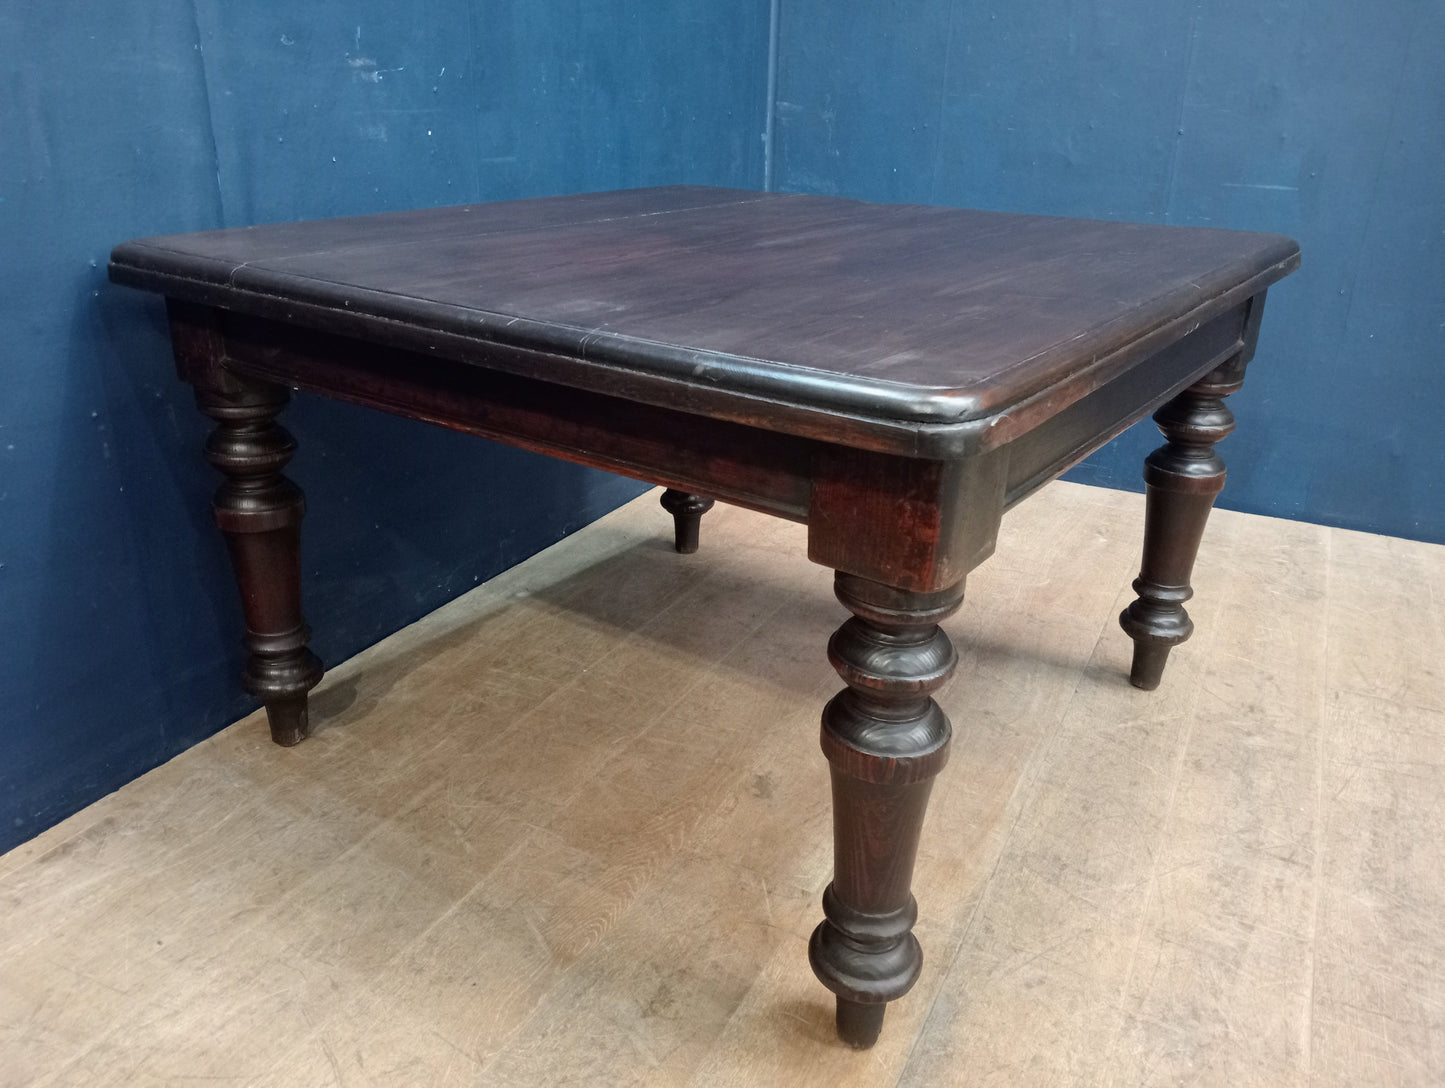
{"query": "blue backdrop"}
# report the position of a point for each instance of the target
(119, 622)
(1321, 119)
(118, 619)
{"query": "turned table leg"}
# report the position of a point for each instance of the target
(259, 511)
(687, 511)
(1181, 479)
(885, 740)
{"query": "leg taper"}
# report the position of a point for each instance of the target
(687, 511)
(885, 740)
(260, 511)
(1181, 481)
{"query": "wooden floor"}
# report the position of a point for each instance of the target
(573, 829)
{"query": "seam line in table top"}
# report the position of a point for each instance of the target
(370, 244)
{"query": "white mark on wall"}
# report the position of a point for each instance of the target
(1266, 188)
(365, 69)
(287, 40)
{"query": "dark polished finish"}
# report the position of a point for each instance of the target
(885, 740)
(894, 377)
(259, 510)
(687, 511)
(1181, 480)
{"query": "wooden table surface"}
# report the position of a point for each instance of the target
(773, 309)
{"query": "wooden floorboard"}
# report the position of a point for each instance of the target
(573, 829)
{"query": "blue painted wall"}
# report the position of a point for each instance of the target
(119, 623)
(1322, 119)
(118, 620)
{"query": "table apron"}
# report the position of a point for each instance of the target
(917, 523)
(1068, 436)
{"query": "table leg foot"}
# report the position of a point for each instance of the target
(687, 511)
(1181, 480)
(859, 1025)
(1147, 669)
(885, 740)
(259, 511)
(288, 719)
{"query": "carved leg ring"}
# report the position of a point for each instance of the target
(687, 511)
(885, 740)
(260, 511)
(1181, 480)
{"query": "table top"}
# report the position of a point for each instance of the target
(933, 316)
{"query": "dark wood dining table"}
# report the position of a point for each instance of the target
(893, 376)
